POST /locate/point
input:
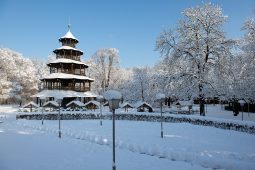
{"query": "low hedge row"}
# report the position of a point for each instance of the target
(55, 116)
(151, 118)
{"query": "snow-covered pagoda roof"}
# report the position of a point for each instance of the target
(63, 93)
(76, 103)
(68, 35)
(66, 76)
(68, 48)
(66, 60)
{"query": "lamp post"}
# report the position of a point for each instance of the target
(241, 102)
(42, 103)
(113, 98)
(206, 105)
(100, 99)
(160, 98)
(59, 129)
(248, 108)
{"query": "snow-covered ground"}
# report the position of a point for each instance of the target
(28, 145)
(217, 111)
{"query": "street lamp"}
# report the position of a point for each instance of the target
(113, 98)
(42, 103)
(100, 99)
(241, 102)
(160, 98)
(59, 100)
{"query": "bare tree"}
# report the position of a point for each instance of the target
(103, 65)
(246, 70)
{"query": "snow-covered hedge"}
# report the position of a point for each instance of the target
(55, 116)
(247, 127)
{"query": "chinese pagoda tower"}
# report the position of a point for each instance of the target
(67, 76)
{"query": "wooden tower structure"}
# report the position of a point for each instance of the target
(67, 72)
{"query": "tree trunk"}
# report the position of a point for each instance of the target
(202, 106)
(109, 70)
(142, 91)
(201, 101)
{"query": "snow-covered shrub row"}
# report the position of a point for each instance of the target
(55, 116)
(218, 123)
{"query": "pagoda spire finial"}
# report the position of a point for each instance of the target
(69, 25)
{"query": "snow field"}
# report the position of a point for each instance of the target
(205, 157)
(185, 146)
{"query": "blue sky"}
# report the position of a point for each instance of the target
(32, 27)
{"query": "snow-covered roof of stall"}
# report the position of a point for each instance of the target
(66, 76)
(28, 105)
(68, 48)
(184, 103)
(126, 104)
(112, 94)
(160, 96)
(75, 102)
(93, 102)
(66, 60)
(57, 94)
(140, 103)
(54, 103)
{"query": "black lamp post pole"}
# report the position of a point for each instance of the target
(42, 109)
(101, 123)
(113, 140)
(59, 130)
(242, 112)
(42, 116)
(248, 109)
(161, 119)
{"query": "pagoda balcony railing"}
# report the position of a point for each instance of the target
(78, 89)
(72, 57)
(82, 73)
(66, 43)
